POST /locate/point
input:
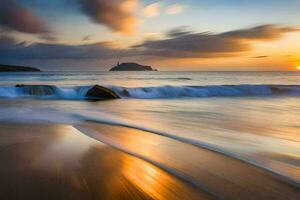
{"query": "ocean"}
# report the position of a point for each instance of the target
(250, 117)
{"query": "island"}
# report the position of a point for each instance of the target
(14, 68)
(131, 67)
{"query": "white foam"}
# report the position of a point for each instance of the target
(79, 92)
(207, 91)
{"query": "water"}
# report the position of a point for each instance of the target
(251, 116)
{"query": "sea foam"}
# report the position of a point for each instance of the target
(167, 92)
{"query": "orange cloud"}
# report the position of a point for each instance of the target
(117, 15)
(151, 10)
(186, 44)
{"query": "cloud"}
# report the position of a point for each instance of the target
(152, 10)
(183, 43)
(16, 17)
(264, 32)
(178, 31)
(179, 43)
(60, 56)
(10, 48)
(174, 9)
(117, 15)
(260, 57)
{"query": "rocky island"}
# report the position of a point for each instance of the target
(131, 67)
(14, 68)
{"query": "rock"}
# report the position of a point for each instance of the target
(99, 92)
(13, 68)
(131, 67)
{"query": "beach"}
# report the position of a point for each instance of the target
(59, 162)
(168, 136)
(149, 100)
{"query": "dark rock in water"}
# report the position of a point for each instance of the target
(99, 92)
(37, 90)
(13, 68)
(131, 67)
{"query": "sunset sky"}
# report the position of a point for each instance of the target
(167, 34)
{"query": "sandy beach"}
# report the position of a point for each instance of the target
(60, 162)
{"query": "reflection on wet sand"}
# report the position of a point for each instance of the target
(59, 162)
(156, 183)
(217, 174)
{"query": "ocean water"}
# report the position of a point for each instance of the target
(249, 116)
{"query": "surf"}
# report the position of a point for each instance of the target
(159, 92)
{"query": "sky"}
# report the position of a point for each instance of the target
(210, 35)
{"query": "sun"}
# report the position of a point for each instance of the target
(298, 68)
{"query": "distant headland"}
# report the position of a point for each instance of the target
(131, 67)
(14, 68)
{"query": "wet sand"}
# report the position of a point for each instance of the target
(59, 162)
(221, 176)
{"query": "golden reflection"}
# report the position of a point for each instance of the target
(146, 177)
(155, 182)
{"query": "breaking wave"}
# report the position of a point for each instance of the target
(207, 91)
(44, 91)
(167, 92)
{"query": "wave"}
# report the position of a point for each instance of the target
(167, 92)
(207, 91)
(45, 91)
